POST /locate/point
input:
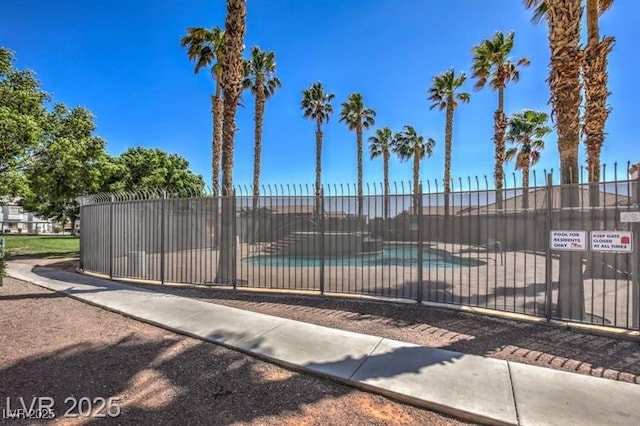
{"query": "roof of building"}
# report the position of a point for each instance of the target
(296, 209)
(538, 201)
(438, 210)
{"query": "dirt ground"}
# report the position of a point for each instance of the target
(57, 347)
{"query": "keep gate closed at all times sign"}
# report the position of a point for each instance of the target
(612, 241)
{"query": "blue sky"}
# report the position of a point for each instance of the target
(123, 61)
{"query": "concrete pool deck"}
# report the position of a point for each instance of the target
(513, 282)
(471, 387)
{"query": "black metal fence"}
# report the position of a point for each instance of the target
(474, 251)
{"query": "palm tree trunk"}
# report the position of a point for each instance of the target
(416, 183)
(448, 138)
(500, 128)
(593, 30)
(594, 74)
(386, 184)
(596, 93)
(318, 168)
(215, 159)
(359, 148)
(525, 186)
(218, 107)
(564, 80)
(232, 86)
(259, 117)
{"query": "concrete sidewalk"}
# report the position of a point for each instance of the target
(471, 387)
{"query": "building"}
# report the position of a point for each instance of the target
(15, 219)
(634, 177)
(539, 200)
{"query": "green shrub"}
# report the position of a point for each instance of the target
(3, 267)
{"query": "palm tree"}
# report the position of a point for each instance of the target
(205, 47)
(379, 146)
(492, 64)
(316, 105)
(563, 18)
(526, 130)
(595, 76)
(408, 144)
(232, 75)
(260, 78)
(357, 118)
(443, 93)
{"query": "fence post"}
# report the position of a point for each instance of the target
(322, 253)
(420, 245)
(162, 236)
(233, 222)
(635, 265)
(111, 202)
(81, 260)
(2, 261)
(548, 281)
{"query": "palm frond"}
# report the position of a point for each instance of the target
(355, 115)
(316, 104)
(492, 63)
(260, 73)
(204, 47)
(539, 10)
(380, 142)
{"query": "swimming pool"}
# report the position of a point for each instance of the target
(392, 255)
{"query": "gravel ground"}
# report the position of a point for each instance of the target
(57, 347)
(536, 344)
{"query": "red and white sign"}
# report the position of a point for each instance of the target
(612, 241)
(568, 240)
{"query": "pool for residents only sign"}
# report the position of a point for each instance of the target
(612, 241)
(568, 240)
(627, 217)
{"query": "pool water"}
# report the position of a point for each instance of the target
(392, 255)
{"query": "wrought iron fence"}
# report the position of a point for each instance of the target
(471, 251)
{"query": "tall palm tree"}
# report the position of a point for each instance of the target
(379, 146)
(205, 47)
(444, 95)
(260, 78)
(492, 64)
(563, 18)
(357, 118)
(408, 144)
(526, 130)
(595, 77)
(316, 105)
(232, 75)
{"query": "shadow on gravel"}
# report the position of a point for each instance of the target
(164, 381)
(31, 296)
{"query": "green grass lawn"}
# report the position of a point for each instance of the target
(40, 246)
